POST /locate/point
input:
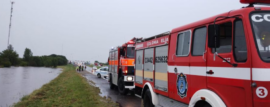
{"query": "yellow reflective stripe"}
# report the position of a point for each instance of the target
(161, 76)
(139, 73)
(148, 74)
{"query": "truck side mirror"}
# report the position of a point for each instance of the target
(213, 36)
(122, 52)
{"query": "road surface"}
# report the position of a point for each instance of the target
(124, 100)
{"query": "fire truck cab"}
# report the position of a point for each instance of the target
(221, 61)
(121, 67)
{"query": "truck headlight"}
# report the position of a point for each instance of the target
(129, 78)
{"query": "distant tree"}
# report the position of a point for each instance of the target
(9, 56)
(59, 59)
(6, 64)
(27, 56)
(54, 62)
(47, 61)
(1, 60)
(53, 55)
(38, 61)
(23, 63)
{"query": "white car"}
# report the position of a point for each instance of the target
(102, 72)
(94, 68)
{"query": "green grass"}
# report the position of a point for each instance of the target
(69, 89)
(93, 66)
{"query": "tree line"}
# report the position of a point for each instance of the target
(9, 57)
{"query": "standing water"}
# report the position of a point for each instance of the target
(16, 82)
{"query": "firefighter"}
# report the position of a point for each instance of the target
(82, 67)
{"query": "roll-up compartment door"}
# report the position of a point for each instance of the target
(139, 67)
(111, 60)
(115, 75)
(161, 76)
(148, 64)
(116, 62)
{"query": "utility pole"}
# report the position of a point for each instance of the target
(12, 2)
(62, 50)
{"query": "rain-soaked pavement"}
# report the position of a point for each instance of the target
(124, 100)
(16, 82)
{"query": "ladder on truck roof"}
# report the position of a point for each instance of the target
(157, 36)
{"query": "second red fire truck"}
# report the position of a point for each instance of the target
(121, 67)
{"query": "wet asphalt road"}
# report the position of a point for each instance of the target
(129, 100)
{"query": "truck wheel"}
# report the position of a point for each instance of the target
(147, 99)
(121, 86)
(98, 75)
(202, 104)
(206, 105)
(111, 84)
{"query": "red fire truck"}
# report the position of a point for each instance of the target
(121, 67)
(221, 61)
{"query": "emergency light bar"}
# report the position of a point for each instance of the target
(255, 1)
(130, 41)
(130, 46)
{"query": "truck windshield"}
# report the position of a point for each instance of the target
(130, 52)
(261, 29)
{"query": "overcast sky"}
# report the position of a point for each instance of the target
(87, 29)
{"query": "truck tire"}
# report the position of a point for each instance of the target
(111, 84)
(147, 99)
(121, 86)
(202, 104)
(206, 105)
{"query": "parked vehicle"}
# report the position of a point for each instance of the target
(102, 72)
(221, 61)
(121, 67)
(94, 68)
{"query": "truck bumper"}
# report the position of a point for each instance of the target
(129, 82)
(130, 87)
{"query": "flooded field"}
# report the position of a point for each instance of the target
(15, 82)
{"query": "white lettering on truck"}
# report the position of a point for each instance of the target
(260, 18)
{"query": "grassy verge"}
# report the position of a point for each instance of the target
(93, 66)
(67, 90)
